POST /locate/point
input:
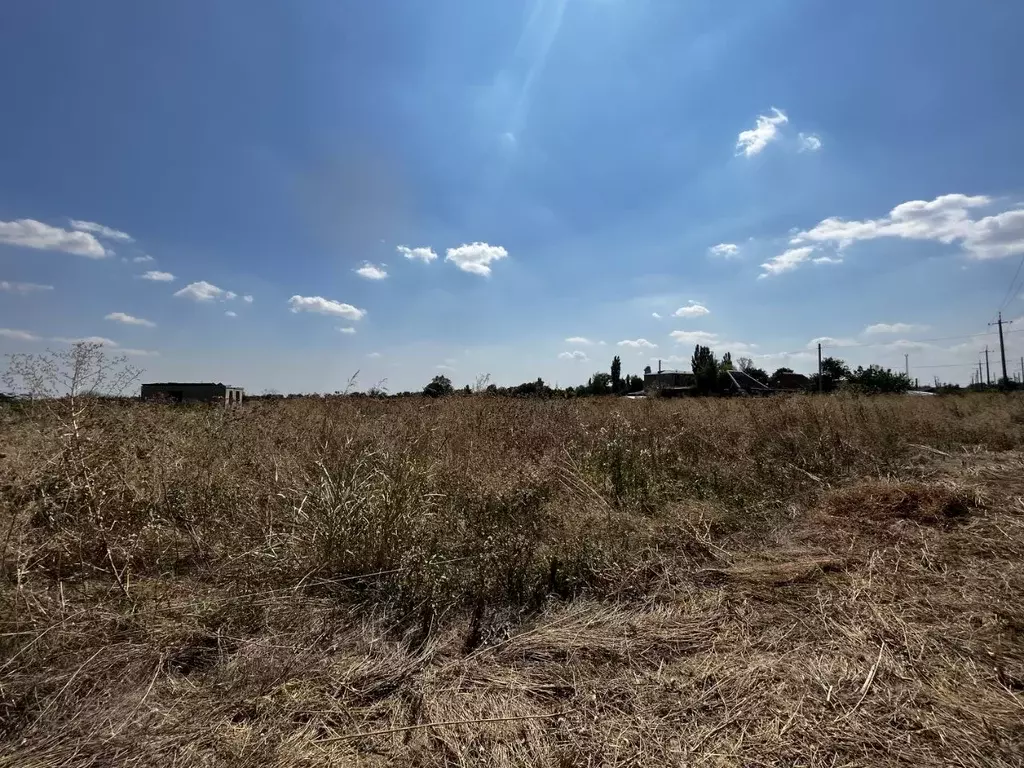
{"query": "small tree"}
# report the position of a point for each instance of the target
(757, 373)
(616, 375)
(439, 386)
(705, 370)
(776, 378)
(600, 384)
(877, 380)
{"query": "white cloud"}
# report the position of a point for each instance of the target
(475, 257)
(347, 330)
(786, 261)
(29, 233)
(637, 344)
(829, 341)
(102, 231)
(444, 367)
(160, 277)
(578, 340)
(247, 299)
(946, 219)
(229, 295)
(694, 337)
(655, 315)
(908, 345)
(371, 272)
(809, 142)
(374, 354)
(692, 309)
(229, 313)
(724, 250)
(894, 328)
(576, 354)
(101, 340)
(10, 287)
(424, 254)
(145, 259)
(121, 317)
(750, 143)
(204, 291)
(323, 306)
(827, 260)
(10, 333)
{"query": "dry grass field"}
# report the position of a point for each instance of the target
(493, 582)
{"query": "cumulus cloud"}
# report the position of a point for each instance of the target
(322, 306)
(809, 142)
(578, 340)
(229, 313)
(475, 258)
(144, 259)
(574, 355)
(766, 130)
(204, 291)
(692, 309)
(29, 233)
(371, 271)
(637, 344)
(247, 299)
(121, 317)
(830, 341)
(895, 328)
(347, 330)
(786, 261)
(724, 250)
(424, 253)
(11, 287)
(160, 277)
(10, 333)
(102, 231)
(946, 219)
(655, 315)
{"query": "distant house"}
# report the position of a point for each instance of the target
(669, 382)
(192, 392)
(791, 382)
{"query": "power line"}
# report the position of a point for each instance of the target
(1011, 290)
(912, 341)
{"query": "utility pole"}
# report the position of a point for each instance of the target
(988, 371)
(820, 382)
(979, 370)
(906, 364)
(1002, 347)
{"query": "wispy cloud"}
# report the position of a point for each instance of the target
(121, 317)
(694, 337)
(144, 259)
(786, 261)
(830, 341)
(574, 355)
(476, 258)
(809, 142)
(424, 254)
(98, 229)
(12, 287)
(765, 131)
(374, 354)
(349, 330)
(101, 340)
(894, 328)
(11, 333)
(29, 233)
(160, 277)
(578, 340)
(247, 299)
(371, 271)
(229, 313)
(322, 306)
(724, 250)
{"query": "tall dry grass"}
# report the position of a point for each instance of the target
(818, 581)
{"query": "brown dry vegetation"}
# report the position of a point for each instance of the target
(478, 581)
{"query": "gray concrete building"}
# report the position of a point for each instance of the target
(193, 392)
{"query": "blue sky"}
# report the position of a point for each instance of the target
(520, 188)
